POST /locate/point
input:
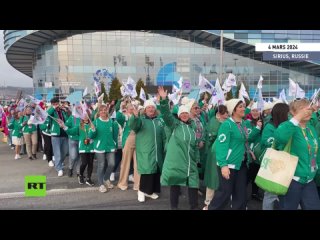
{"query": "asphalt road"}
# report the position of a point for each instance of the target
(66, 193)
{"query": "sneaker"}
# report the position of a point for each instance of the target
(30, 158)
(112, 177)
(34, 156)
(152, 196)
(108, 184)
(103, 189)
(89, 182)
(44, 157)
(69, 172)
(81, 179)
(17, 156)
(51, 164)
(12, 148)
(205, 207)
(141, 196)
(60, 173)
(131, 179)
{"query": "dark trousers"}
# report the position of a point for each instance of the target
(304, 194)
(40, 147)
(236, 186)
(118, 157)
(192, 194)
(47, 147)
(150, 183)
(86, 160)
(252, 173)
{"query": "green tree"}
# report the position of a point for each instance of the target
(140, 84)
(103, 90)
(115, 92)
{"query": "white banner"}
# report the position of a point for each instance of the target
(287, 47)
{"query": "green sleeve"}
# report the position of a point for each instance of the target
(117, 107)
(11, 124)
(135, 123)
(69, 122)
(284, 132)
(73, 131)
(92, 134)
(51, 111)
(247, 111)
(314, 119)
(115, 132)
(167, 116)
(223, 142)
(120, 118)
(267, 137)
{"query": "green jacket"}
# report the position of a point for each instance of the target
(16, 128)
(46, 126)
(105, 135)
(253, 143)
(211, 179)
(71, 123)
(304, 171)
(27, 129)
(230, 147)
(55, 128)
(180, 164)
(82, 135)
(150, 141)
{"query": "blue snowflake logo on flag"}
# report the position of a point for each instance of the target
(214, 92)
(130, 87)
(207, 86)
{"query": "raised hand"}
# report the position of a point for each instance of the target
(162, 93)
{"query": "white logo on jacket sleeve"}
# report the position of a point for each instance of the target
(249, 130)
(270, 140)
(222, 137)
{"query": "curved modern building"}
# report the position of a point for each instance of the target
(65, 60)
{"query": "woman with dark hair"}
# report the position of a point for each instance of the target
(232, 153)
(279, 114)
(254, 166)
(211, 179)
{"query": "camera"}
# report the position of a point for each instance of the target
(86, 141)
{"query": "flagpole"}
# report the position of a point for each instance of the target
(221, 54)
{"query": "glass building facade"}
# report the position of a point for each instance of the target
(70, 62)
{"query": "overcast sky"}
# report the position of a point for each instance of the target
(9, 76)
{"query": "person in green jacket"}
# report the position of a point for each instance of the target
(305, 145)
(85, 147)
(182, 157)
(16, 133)
(279, 114)
(30, 135)
(150, 141)
(232, 153)
(105, 135)
(211, 179)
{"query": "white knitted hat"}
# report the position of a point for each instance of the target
(231, 104)
(183, 109)
(149, 102)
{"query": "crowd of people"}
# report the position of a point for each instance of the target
(191, 144)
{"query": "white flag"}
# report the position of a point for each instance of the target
(300, 92)
(175, 97)
(243, 92)
(231, 80)
(260, 82)
(142, 95)
(260, 102)
(130, 88)
(85, 92)
(36, 101)
(205, 85)
(178, 86)
(292, 88)
(283, 97)
(217, 95)
(39, 117)
(97, 88)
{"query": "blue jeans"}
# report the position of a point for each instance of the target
(74, 155)
(304, 194)
(106, 162)
(268, 201)
(60, 149)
